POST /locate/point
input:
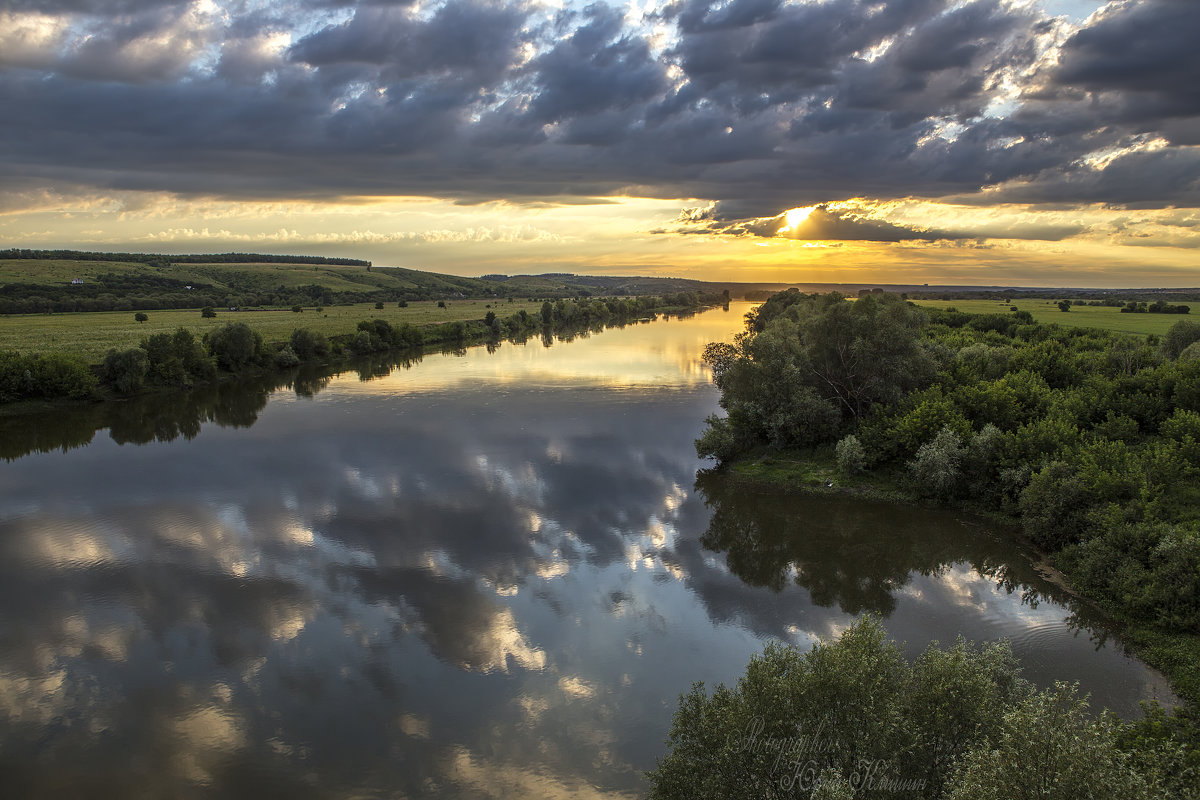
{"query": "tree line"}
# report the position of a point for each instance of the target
(182, 360)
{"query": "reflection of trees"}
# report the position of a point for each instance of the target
(164, 416)
(851, 552)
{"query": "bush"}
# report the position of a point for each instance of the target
(234, 345)
(140, 317)
(1054, 506)
(1179, 336)
(125, 371)
(1050, 746)
(44, 377)
(286, 357)
(308, 345)
(831, 709)
(937, 470)
(851, 457)
(208, 312)
(297, 309)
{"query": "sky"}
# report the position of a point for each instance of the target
(1017, 142)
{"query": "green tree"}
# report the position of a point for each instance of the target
(1179, 336)
(851, 456)
(208, 312)
(125, 370)
(1049, 747)
(937, 469)
(308, 345)
(850, 710)
(234, 345)
(140, 317)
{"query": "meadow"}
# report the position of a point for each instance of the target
(91, 335)
(1046, 311)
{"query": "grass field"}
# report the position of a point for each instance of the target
(1109, 319)
(90, 335)
(259, 277)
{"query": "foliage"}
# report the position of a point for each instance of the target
(208, 312)
(234, 346)
(937, 469)
(308, 345)
(286, 357)
(30, 377)
(176, 359)
(809, 363)
(851, 457)
(1050, 747)
(1090, 439)
(854, 718)
(140, 317)
(1179, 336)
(126, 370)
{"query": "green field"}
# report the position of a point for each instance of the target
(91, 335)
(1104, 317)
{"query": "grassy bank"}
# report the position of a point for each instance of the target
(1103, 318)
(89, 335)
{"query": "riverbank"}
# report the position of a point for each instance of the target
(231, 346)
(815, 472)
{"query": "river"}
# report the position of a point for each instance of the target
(485, 573)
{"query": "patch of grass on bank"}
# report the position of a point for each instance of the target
(90, 335)
(1175, 654)
(1045, 311)
(811, 471)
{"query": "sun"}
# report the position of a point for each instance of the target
(794, 216)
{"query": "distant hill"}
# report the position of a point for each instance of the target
(38, 281)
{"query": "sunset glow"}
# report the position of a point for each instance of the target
(987, 141)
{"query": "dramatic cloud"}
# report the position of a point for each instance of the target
(758, 106)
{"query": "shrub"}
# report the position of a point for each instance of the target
(49, 377)
(234, 345)
(286, 357)
(308, 345)
(937, 469)
(851, 456)
(1179, 336)
(208, 312)
(1054, 506)
(125, 371)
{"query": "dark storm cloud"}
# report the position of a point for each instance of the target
(1142, 58)
(757, 104)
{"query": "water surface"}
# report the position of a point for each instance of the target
(479, 574)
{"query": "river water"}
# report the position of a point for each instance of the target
(487, 573)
